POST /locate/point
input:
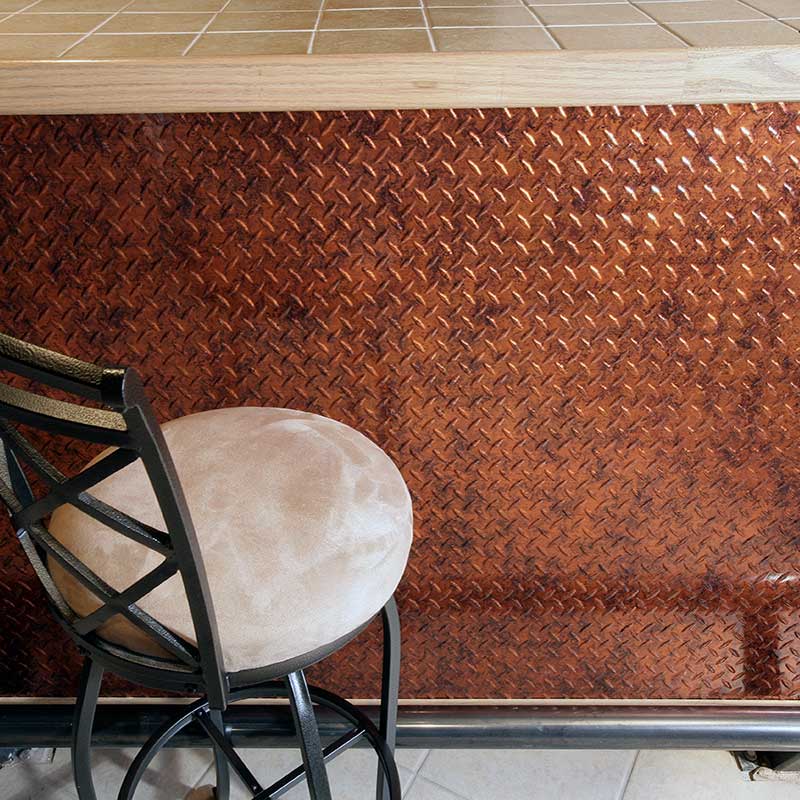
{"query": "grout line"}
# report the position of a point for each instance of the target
(207, 13)
(606, 25)
(355, 30)
(450, 791)
(493, 5)
(96, 28)
(624, 787)
(723, 21)
(427, 24)
(661, 25)
(152, 33)
(205, 27)
(49, 33)
(314, 32)
(765, 14)
(416, 773)
(534, 25)
(25, 11)
(93, 13)
(541, 22)
(19, 10)
(422, 763)
(229, 33)
(210, 773)
(651, 23)
(410, 786)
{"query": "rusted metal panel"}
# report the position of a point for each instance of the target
(574, 330)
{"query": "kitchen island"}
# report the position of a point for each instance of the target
(495, 239)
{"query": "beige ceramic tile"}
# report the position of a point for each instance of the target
(448, 3)
(732, 34)
(176, 5)
(250, 44)
(472, 17)
(156, 23)
(393, 41)
(265, 21)
(383, 18)
(273, 5)
(349, 4)
(12, 47)
(795, 23)
(698, 775)
(539, 3)
(531, 774)
(611, 14)
(410, 758)
(778, 8)
(423, 789)
(82, 6)
(171, 775)
(704, 10)
(35, 781)
(133, 46)
(52, 23)
(351, 774)
(616, 37)
(475, 40)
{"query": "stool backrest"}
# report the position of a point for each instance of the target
(122, 418)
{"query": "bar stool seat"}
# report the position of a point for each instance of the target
(304, 526)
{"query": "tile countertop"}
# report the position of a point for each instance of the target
(96, 56)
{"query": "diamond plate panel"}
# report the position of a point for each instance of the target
(574, 330)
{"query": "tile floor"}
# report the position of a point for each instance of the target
(432, 775)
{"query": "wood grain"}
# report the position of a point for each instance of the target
(384, 81)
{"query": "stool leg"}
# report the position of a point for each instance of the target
(89, 691)
(223, 788)
(390, 685)
(305, 724)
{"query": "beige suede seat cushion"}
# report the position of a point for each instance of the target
(304, 525)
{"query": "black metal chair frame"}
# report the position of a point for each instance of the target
(126, 422)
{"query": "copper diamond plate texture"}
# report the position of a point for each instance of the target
(576, 332)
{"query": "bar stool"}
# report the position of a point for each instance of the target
(299, 533)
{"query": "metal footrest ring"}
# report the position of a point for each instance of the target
(363, 728)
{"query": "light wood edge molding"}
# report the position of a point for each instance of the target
(425, 80)
(496, 702)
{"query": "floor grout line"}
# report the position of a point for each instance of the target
(417, 773)
(411, 783)
(624, 787)
(422, 763)
(201, 780)
(446, 788)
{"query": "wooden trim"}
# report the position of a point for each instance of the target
(424, 80)
(466, 702)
